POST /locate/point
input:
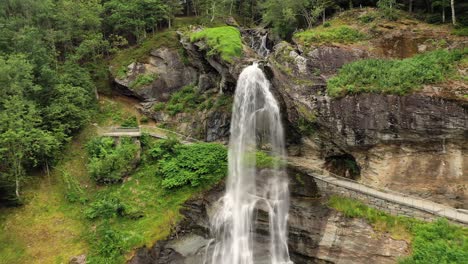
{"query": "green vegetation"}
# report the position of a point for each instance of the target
(223, 41)
(395, 76)
(194, 165)
(184, 100)
(142, 80)
(108, 161)
(129, 122)
(432, 242)
(340, 34)
(189, 99)
(262, 160)
(462, 31)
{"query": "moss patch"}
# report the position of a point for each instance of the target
(223, 41)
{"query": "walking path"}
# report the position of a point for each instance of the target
(311, 169)
(437, 209)
(153, 131)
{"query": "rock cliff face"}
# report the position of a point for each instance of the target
(316, 234)
(169, 71)
(415, 143)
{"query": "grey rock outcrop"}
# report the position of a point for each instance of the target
(167, 68)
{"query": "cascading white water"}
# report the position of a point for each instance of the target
(255, 122)
(259, 44)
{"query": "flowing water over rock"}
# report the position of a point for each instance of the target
(256, 122)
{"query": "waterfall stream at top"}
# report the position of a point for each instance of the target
(256, 122)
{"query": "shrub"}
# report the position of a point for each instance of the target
(463, 31)
(105, 207)
(130, 122)
(195, 164)
(367, 18)
(438, 242)
(263, 160)
(144, 119)
(223, 41)
(184, 100)
(74, 192)
(107, 246)
(108, 163)
(326, 24)
(394, 76)
(341, 34)
(159, 106)
(164, 149)
(143, 80)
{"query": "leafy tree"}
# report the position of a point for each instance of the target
(282, 15)
(388, 8)
(442, 4)
(21, 138)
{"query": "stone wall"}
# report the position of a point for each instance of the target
(328, 188)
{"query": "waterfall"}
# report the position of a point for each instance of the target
(258, 43)
(255, 123)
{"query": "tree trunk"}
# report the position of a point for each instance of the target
(452, 4)
(410, 8)
(213, 11)
(443, 14)
(323, 17)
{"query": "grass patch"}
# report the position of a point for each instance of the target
(395, 76)
(462, 32)
(328, 34)
(432, 242)
(223, 41)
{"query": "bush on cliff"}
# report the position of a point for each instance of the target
(395, 76)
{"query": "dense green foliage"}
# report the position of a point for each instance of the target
(189, 98)
(194, 164)
(108, 161)
(223, 41)
(432, 242)
(394, 76)
(184, 100)
(47, 92)
(341, 34)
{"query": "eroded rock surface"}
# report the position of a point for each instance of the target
(317, 234)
